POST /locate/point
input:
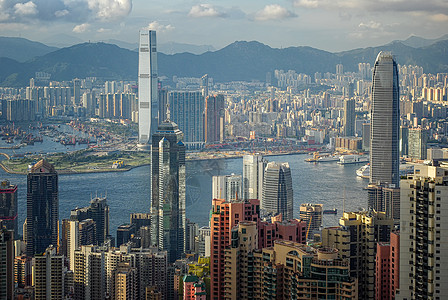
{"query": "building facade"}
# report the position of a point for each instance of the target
(148, 103)
(42, 208)
(385, 121)
(253, 176)
(168, 223)
(8, 206)
(277, 197)
(214, 125)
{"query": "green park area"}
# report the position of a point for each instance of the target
(82, 161)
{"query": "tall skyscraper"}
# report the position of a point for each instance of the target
(76, 91)
(277, 190)
(42, 208)
(8, 206)
(349, 117)
(214, 119)
(148, 107)
(424, 234)
(253, 176)
(168, 224)
(385, 124)
(187, 111)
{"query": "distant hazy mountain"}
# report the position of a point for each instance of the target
(419, 42)
(173, 48)
(21, 49)
(122, 44)
(62, 40)
(238, 61)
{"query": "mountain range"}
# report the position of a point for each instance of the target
(240, 60)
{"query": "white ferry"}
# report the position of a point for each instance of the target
(353, 159)
(364, 171)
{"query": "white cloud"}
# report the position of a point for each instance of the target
(159, 27)
(370, 25)
(110, 10)
(274, 12)
(101, 30)
(61, 13)
(204, 10)
(81, 28)
(306, 3)
(26, 9)
(440, 17)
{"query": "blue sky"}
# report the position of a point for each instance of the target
(332, 25)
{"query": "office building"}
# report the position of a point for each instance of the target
(385, 121)
(417, 140)
(6, 263)
(404, 141)
(214, 125)
(424, 234)
(349, 117)
(49, 275)
(98, 211)
(187, 111)
(253, 176)
(42, 208)
(312, 215)
(227, 187)
(23, 271)
(356, 239)
(148, 103)
(8, 206)
(168, 224)
(387, 268)
(277, 196)
(386, 198)
(124, 233)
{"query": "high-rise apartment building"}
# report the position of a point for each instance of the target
(6, 263)
(387, 268)
(386, 198)
(253, 176)
(168, 224)
(287, 270)
(79, 233)
(148, 103)
(187, 111)
(312, 215)
(356, 240)
(49, 275)
(8, 206)
(76, 91)
(277, 197)
(42, 208)
(89, 273)
(214, 124)
(126, 282)
(349, 117)
(228, 187)
(424, 234)
(385, 121)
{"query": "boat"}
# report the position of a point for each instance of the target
(353, 159)
(322, 158)
(364, 171)
(333, 211)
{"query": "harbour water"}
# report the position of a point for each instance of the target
(128, 192)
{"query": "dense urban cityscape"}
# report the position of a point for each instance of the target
(323, 185)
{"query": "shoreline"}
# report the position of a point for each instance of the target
(129, 168)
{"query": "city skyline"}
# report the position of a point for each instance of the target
(327, 25)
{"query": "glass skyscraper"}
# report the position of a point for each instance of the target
(168, 196)
(385, 125)
(148, 102)
(277, 190)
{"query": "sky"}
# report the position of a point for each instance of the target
(331, 25)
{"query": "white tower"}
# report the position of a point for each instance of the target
(147, 87)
